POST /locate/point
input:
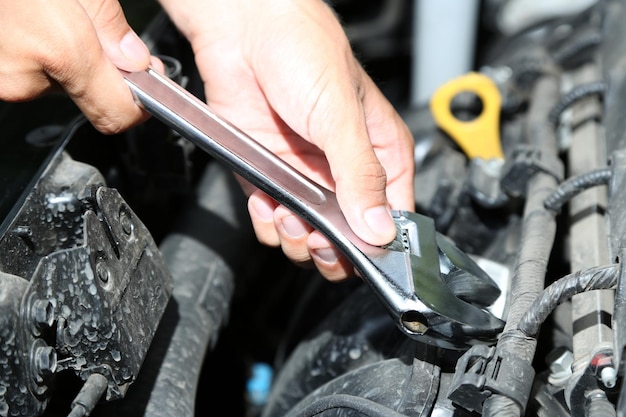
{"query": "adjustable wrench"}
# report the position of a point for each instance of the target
(408, 276)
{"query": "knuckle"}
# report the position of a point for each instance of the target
(58, 63)
(372, 176)
(105, 13)
(110, 124)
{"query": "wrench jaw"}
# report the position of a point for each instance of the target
(427, 302)
(433, 328)
(444, 333)
(438, 317)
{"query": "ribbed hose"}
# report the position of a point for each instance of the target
(362, 405)
(575, 185)
(572, 51)
(599, 405)
(598, 278)
(577, 93)
(210, 244)
(538, 232)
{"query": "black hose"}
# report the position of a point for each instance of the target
(599, 405)
(391, 13)
(203, 252)
(362, 405)
(576, 51)
(575, 185)
(575, 94)
(598, 278)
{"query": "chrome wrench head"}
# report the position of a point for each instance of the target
(406, 276)
(436, 306)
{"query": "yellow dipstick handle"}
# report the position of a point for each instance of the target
(480, 137)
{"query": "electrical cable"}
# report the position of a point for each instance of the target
(575, 94)
(296, 316)
(575, 185)
(538, 233)
(364, 406)
(598, 278)
(572, 52)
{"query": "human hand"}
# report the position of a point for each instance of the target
(283, 71)
(76, 45)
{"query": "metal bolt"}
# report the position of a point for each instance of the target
(45, 360)
(102, 270)
(125, 221)
(43, 313)
(560, 361)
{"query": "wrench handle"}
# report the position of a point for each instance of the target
(193, 119)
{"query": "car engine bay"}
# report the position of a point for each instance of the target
(131, 282)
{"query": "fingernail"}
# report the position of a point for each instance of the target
(133, 48)
(380, 221)
(326, 255)
(265, 212)
(294, 227)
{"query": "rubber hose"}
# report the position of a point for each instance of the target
(204, 252)
(362, 405)
(599, 405)
(572, 52)
(392, 12)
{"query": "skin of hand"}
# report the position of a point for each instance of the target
(76, 46)
(284, 72)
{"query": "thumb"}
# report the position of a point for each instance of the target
(120, 43)
(360, 185)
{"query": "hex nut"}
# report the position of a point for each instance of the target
(45, 360)
(43, 313)
(560, 361)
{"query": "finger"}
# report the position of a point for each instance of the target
(360, 179)
(293, 233)
(393, 144)
(120, 43)
(157, 65)
(261, 208)
(328, 259)
(364, 185)
(80, 65)
(325, 106)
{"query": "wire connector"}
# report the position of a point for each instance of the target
(523, 163)
(484, 371)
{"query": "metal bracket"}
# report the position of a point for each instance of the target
(105, 296)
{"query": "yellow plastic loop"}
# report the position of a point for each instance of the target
(480, 137)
